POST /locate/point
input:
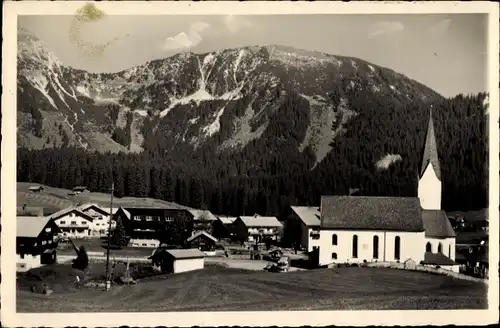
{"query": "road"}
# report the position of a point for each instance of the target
(231, 263)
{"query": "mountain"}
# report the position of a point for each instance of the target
(228, 97)
(245, 130)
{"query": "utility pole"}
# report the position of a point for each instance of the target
(108, 282)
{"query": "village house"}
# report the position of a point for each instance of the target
(202, 220)
(36, 242)
(146, 225)
(223, 228)
(178, 260)
(80, 189)
(73, 223)
(204, 242)
(302, 226)
(100, 224)
(391, 229)
(256, 229)
(35, 189)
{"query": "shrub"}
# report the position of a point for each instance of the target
(82, 260)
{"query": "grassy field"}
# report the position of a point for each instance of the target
(59, 198)
(222, 289)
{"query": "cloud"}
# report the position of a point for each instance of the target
(236, 23)
(385, 27)
(185, 40)
(441, 27)
(387, 160)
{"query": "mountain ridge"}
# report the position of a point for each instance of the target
(107, 111)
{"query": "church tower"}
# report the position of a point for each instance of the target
(429, 185)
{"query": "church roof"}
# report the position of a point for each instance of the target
(430, 154)
(437, 259)
(371, 213)
(436, 224)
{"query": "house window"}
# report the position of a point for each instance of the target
(334, 256)
(355, 246)
(315, 248)
(44, 242)
(47, 229)
(440, 248)
(397, 248)
(22, 256)
(334, 239)
(62, 222)
(73, 222)
(144, 245)
(375, 247)
(428, 247)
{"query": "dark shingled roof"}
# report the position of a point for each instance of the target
(436, 224)
(430, 154)
(371, 213)
(437, 259)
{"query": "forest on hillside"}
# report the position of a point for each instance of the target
(270, 173)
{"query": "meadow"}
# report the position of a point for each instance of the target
(217, 288)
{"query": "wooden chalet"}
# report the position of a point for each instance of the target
(223, 228)
(150, 222)
(203, 241)
(36, 241)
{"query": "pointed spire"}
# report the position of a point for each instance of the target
(430, 154)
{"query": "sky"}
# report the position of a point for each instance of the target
(445, 52)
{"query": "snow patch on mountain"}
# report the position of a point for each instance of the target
(194, 120)
(40, 82)
(386, 161)
(58, 83)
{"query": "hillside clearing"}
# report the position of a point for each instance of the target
(223, 289)
(60, 198)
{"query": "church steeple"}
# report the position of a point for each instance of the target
(430, 154)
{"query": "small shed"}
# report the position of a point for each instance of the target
(80, 189)
(178, 260)
(36, 188)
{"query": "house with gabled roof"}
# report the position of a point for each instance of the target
(36, 242)
(257, 228)
(391, 229)
(146, 226)
(73, 223)
(223, 227)
(301, 227)
(203, 241)
(101, 216)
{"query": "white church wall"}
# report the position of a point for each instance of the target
(429, 190)
(447, 246)
(412, 246)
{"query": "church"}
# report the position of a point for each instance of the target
(355, 229)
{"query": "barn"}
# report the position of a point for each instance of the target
(178, 260)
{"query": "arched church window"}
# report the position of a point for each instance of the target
(355, 246)
(375, 247)
(334, 239)
(428, 247)
(397, 248)
(449, 251)
(440, 248)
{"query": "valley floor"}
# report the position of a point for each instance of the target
(223, 289)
